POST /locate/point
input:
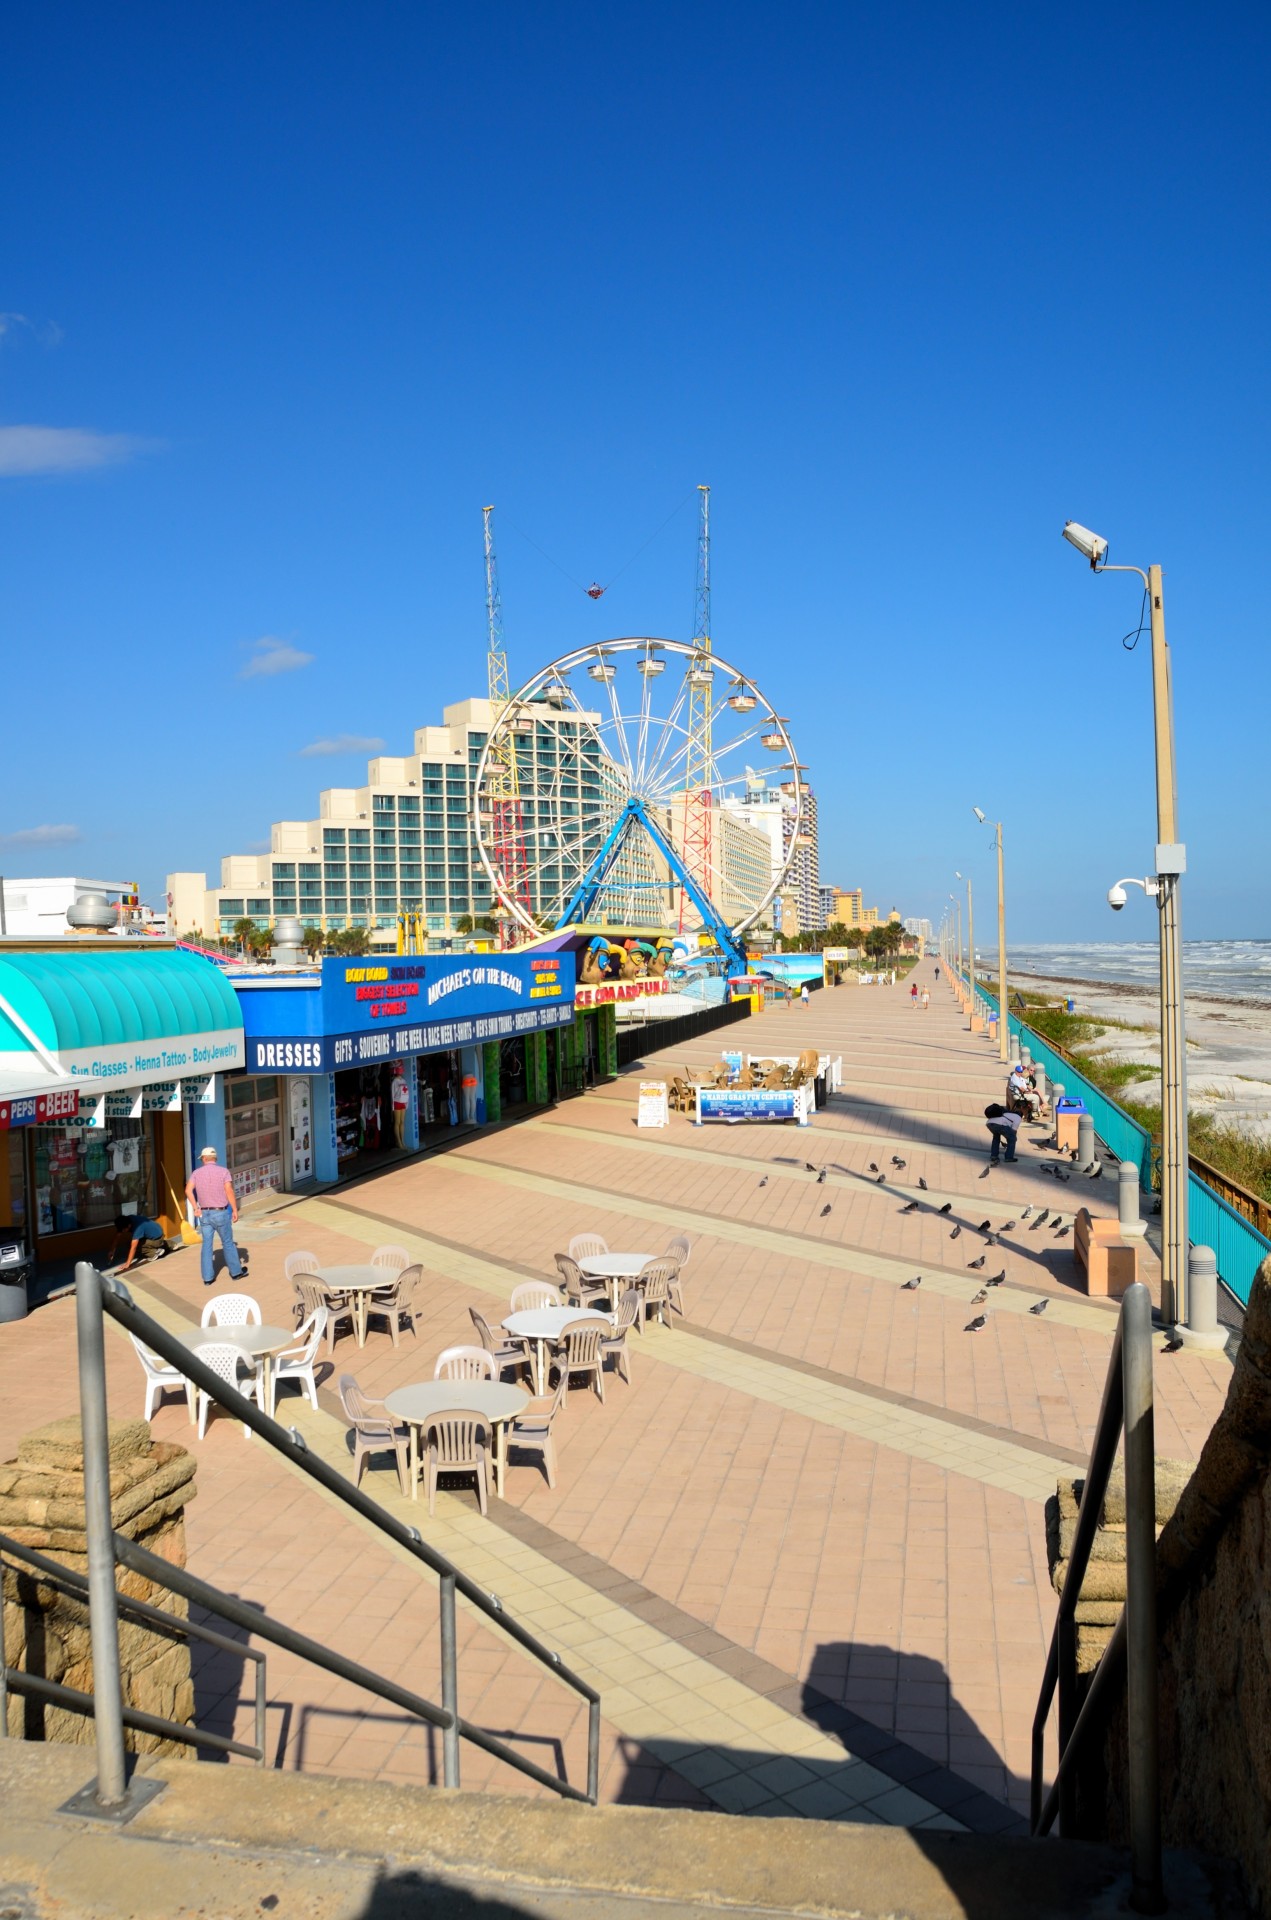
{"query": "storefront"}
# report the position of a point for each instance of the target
(106, 1056)
(357, 1061)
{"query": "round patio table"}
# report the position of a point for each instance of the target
(616, 1266)
(497, 1400)
(359, 1283)
(254, 1343)
(544, 1325)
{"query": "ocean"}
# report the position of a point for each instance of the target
(1233, 969)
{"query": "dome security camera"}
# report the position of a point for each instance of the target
(1116, 898)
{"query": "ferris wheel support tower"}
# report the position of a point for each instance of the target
(502, 788)
(698, 838)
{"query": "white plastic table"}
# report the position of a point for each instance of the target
(498, 1400)
(615, 1266)
(544, 1326)
(254, 1343)
(359, 1283)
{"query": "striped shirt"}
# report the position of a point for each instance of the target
(210, 1185)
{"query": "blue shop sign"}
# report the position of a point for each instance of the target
(365, 1011)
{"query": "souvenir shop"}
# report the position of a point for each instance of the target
(358, 1061)
(105, 1058)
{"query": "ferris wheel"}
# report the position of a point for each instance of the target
(640, 783)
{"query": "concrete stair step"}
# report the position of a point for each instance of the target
(232, 1842)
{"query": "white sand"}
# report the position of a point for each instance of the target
(1228, 1044)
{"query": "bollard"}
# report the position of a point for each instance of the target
(1128, 1216)
(1202, 1329)
(1025, 1054)
(1015, 1049)
(1085, 1140)
(1039, 1075)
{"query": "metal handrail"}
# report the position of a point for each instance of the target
(55, 1574)
(1127, 1406)
(98, 1293)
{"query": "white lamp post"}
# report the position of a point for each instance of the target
(1003, 1019)
(1171, 864)
(970, 950)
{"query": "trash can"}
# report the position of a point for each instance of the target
(1070, 1006)
(1067, 1113)
(15, 1271)
(821, 1090)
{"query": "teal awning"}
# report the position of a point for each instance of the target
(75, 1002)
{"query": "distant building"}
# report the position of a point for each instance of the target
(29, 908)
(921, 930)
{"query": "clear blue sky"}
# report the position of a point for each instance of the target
(298, 289)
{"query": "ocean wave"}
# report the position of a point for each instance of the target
(1239, 969)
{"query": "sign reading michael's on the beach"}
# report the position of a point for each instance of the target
(732, 1104)
(357, 1012)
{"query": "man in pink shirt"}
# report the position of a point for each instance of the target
(210, 1192)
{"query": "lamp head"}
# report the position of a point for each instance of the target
(1092, 545)
(979, 814)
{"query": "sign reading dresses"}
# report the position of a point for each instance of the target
(361, 1012)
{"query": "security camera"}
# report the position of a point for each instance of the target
(1116, 898)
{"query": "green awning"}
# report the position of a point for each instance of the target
(80, 1007)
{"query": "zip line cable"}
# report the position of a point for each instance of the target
(595, 591)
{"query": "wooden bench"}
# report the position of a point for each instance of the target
(1107, 1263)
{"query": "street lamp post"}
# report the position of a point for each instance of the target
(970, 951)
(957, 951)
(1171, 864)
(1003, 1019)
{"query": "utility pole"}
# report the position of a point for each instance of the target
(699, 767)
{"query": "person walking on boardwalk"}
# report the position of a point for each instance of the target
(210, 1192)
(1003, 1128)
(913, 994)
(803, 994)
(926, 999)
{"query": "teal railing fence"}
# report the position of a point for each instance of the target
(1238, 1246)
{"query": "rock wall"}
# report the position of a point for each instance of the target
(1213, 1563)
(46, 1631)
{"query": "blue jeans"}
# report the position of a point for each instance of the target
(1002, 1137)
(214, 1220)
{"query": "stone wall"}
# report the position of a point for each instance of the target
(46, 1631)
(1213, 1564)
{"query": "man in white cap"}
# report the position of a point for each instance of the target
(210, 1192)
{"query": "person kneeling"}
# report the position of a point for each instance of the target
(137, 1230)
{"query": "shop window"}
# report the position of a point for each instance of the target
(84, 1176)
(254, 1129)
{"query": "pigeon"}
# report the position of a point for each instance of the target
(911, 1208)
(1010, 1226)
(881, 1180)
(1061, 1233)
(898, 1163)
(873, 1166)
(764, 1181)
(947, 1207)
(911, 1284)
(985, 1174)
(955, 1233)
(820, 1178)
(975, 1265)
(997, 1279)
(978, 1299)
(922, 1184)
(1063, 1178)
(824, 1210)
(1041, 1220)
(1040, 1307)
(985, 1226)
(809, 1166)
(977, 1325)
(1026, 1215)
(1172, 1346)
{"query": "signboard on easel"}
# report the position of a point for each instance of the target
(655, 1107)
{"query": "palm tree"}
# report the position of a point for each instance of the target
(314, 941)
(464, 924)
(243, 931)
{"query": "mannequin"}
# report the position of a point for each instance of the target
(401, 1100)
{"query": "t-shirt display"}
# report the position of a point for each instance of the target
(84, 1176)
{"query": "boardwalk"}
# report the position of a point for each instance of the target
(802, 1554)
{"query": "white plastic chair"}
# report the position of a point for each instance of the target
(584, 1245)
(679, 1251)
(231, 1310)
(393, 1259)
(535, 1293)
(297, 1363)
(161, 1378)
(227, 1361)
(297, 1263)
(464, 1363)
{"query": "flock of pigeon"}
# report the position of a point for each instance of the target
(1037, 1218)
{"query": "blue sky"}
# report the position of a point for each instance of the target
(294, 291)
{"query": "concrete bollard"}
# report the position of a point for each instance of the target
(1085, 1139)
(1131, 1221)
(1014, 1049)
(1202, 1329)
(1025, 1054)
(1039, 1075)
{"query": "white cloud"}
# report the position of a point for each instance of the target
(341, 743)
(48, 836)
(48, 335)
(271, 655)
(26, 450)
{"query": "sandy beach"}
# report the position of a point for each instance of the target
(1228, 1043)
